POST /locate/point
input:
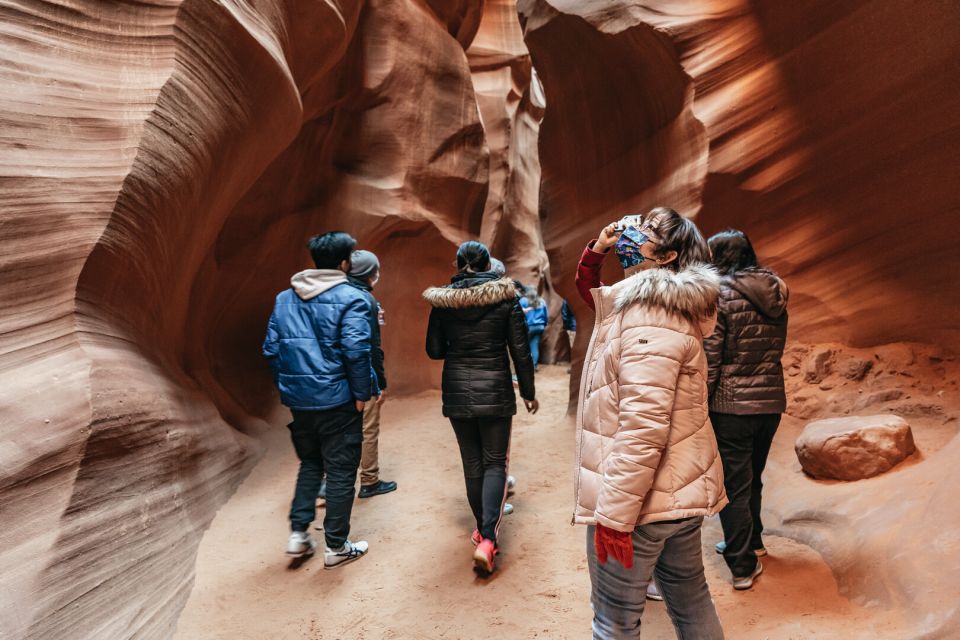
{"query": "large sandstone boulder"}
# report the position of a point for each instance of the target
(854, 448)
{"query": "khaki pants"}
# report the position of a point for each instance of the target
(370, 458)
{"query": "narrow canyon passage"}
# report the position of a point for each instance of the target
(417, 581)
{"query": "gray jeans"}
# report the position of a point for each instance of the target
(619, 595)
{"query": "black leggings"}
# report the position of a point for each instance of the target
(485, 452)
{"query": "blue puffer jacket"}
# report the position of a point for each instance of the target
(536, 316)
(318, 342)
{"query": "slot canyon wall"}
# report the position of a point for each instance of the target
(828, 132)
(163, 164)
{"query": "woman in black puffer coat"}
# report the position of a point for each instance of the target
(476, 320)
(745, 382)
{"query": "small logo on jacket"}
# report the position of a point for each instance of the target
(644, 341)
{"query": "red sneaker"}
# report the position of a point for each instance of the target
(484, 554)
(475, 537)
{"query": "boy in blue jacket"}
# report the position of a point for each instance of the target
(318, 346)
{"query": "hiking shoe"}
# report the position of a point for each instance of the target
(653, 592)
(722, 546)
(368, 491)
(349, 552)
(475, 537)
(507, 508)
(300, 544)
(741, 584)
(483, 555)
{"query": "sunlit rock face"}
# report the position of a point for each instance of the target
(828, 134)
(163, 166)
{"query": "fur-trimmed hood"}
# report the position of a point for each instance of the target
(481, 295)
(692, 292)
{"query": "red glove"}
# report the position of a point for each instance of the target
(618, 544)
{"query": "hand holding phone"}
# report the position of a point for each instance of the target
(626, 222)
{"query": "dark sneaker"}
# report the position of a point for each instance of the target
(368, 491)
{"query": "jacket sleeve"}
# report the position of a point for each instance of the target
(355, 342)
(271, 345)
(436, 337)
(588, 273)
(518, 342)
(376, 347)
(649, 371)
(713, 346)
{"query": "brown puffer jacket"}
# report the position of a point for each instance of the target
(744, 352)
(646, 451)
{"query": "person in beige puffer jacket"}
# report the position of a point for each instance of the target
(648, 469)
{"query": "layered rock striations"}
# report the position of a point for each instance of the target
(818, 130)
(828, 134)
(163, 165)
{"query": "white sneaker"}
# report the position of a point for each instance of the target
(741, 584)
(349, 552)
(300, 544)
(507, 508)
(653, 591)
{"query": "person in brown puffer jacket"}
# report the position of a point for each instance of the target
(745, 382)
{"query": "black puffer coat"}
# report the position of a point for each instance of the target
(745, 374)
(474, 323)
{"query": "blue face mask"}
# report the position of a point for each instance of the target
(628, 247)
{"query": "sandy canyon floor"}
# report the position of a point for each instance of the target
(417, 581)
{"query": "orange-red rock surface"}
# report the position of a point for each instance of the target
(162, 166)
(828, 132)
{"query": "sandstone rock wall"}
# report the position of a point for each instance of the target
(826, 131)
(163, 165)
(820, 130)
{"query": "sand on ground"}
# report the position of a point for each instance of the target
(417, 580)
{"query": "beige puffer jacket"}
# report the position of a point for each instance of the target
(646, 451)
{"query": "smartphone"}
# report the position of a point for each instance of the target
(628, 221)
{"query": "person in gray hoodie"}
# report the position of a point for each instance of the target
(747, 397)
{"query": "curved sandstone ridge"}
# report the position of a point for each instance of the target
(829, 134)
(163, 164)
(820, 130)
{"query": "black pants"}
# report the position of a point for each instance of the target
(744, 443)
(485, 452)
(328, 442)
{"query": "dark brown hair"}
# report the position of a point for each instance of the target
(732, 251)
(676, 233)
